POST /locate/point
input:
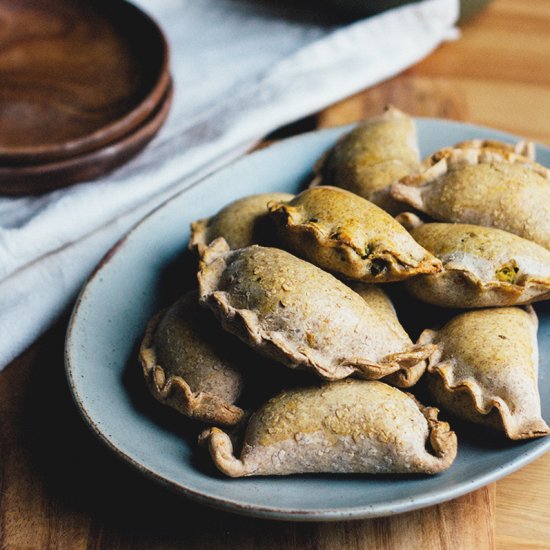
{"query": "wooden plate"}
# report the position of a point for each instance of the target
(19, 180)
(76, 75)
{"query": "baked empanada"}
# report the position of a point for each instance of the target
(192, 365)
(351, 426)
(379, 301)
(482, 266)
(372, 156)
(486, 370)
(300, 315)
(241, 223)
(346, 234)
(483, 187)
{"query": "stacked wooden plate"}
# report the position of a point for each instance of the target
(84, 85)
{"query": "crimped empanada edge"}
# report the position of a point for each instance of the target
(409, 194)
(440, 452)
(441, 438)
(175, 392)
(522, 147)
(406, 378)
(245, 325)
(485, 406)
(198, 239)
(442, 161)
(221, 450)
(471, 155)
(532, 289)
(400, 268)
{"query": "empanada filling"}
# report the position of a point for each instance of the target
(508, 273)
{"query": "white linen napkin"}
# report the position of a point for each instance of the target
(241, 68)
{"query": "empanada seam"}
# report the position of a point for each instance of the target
(428, 264)
(177, 393)
(441, 438)
(448, 158)
(484, 406)
(506, 287)
(197, 240)
(361, 366)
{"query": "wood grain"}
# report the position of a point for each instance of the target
(75, 75)
(523, 518)
(22, 180)
(497, 74)
(59, 488)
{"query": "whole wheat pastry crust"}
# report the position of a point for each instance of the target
(369, 246)
(279, 337)
(507, 398)
(485, 186)
(348, 434)
(482, 266)
(371, 156)
(241, 223)
(175, 392)
(408, 188)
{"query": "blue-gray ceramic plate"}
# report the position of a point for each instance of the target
(149, 267)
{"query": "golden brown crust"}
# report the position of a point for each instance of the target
(443, 161)
(486, 367)
(477, 151)
(199, 235)
(483, 187)
(352, 426)
(170, 384)
(301, 316)
(482, 266)
(241, 223)
(346, 234)
(367, 159)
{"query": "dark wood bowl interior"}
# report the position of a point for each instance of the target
(75, 75)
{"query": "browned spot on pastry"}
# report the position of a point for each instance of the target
(352, 237)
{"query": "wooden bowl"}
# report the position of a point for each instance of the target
(20, 180)
(76, 75)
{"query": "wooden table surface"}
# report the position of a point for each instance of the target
(60, 488)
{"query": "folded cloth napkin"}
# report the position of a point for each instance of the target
(241, 68)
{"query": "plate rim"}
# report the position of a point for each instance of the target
(366, 511)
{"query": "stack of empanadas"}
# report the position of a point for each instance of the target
(288, 285)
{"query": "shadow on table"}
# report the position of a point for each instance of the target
(58, 479)
(76, 476)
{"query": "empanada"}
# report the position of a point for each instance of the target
(300, 315)
(483, 187)
(346, 234)
(482, 266)
(351, 426)
(241, 223)
(192, 365)
(486, 369)
(370, 157)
